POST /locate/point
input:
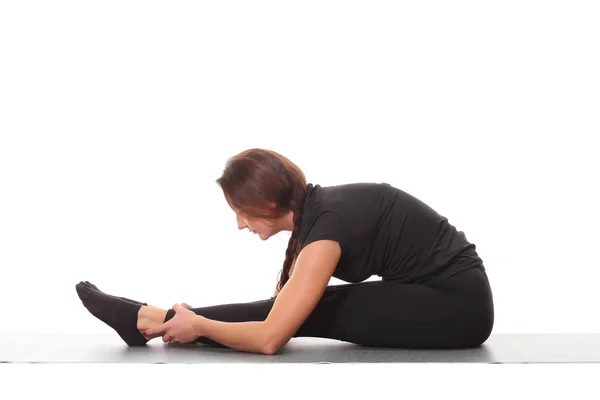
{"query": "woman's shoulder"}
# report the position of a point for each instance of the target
(346, 202)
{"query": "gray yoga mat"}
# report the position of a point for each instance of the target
(108, 348)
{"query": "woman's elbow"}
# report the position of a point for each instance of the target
(274, 346)
(271, 349)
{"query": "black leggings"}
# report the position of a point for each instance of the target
(455, 313)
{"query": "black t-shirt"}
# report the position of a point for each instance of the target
(385, 231)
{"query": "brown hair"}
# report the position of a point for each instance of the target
(256, 177)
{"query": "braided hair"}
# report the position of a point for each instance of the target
(265, 184)
(293, 244)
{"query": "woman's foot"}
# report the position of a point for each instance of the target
(119, 314)
(150, 317)
(94, 287)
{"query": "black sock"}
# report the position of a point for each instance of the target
(119, 314)
(170, 314)
(94, 287)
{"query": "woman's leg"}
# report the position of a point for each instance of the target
(150, 317)
(457, 313)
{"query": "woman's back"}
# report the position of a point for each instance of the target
(385, 231)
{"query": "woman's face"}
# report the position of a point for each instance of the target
(259, 226)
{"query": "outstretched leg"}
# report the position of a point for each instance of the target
(457, 313)
(129, 318)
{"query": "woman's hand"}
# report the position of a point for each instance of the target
(179, 329)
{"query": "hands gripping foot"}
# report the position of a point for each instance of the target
(120, 313)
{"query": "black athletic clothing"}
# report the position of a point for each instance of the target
(385, 231)
(456, 313)
(434, 291)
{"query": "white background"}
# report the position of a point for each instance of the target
(116, 117)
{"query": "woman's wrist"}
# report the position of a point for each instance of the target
(198, 325)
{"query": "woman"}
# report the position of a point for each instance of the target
(434, 292)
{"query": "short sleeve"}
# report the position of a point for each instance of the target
(327, 226)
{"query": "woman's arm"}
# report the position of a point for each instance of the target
(291, 272)
(295, 302)
(245, 336)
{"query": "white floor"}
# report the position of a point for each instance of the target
(107, 348)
